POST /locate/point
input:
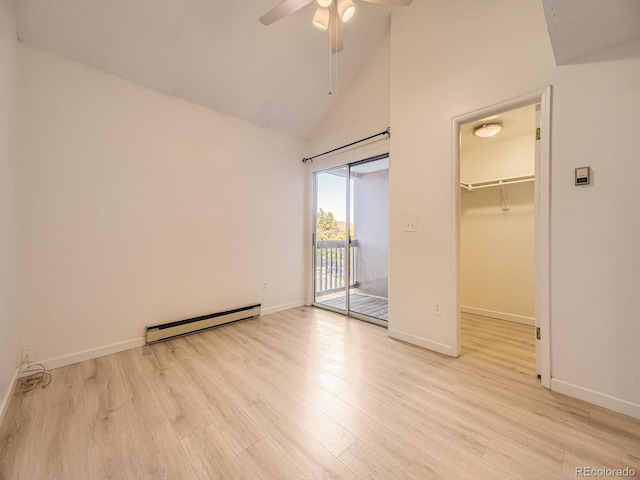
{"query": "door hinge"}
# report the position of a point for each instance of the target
(538, 133)
(537, 333)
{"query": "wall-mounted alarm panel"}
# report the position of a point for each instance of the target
(583, 176)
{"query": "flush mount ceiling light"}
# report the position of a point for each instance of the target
(487, 130)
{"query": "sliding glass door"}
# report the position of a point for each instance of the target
(351, 239)
(368, 295)
(331, 240)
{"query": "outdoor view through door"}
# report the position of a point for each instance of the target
(352, 239)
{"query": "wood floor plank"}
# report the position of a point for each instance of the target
(366, 462)
(499, 341)
(306, 453)
(177, 398)
(114, 458)
(234, 425)
(211, 456)
(56, 430)
(308, 394)
(425, 467)
(414, 427)
(156, 442)
(394, 447)
(321, 427)
(425, 401)
(266, 460)
(515, 462)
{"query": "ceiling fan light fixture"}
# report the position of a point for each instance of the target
(321, 18)
(487, 130)
(324, 3)
(346, 10)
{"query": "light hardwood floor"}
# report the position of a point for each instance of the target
(303, 394)
(500, 342)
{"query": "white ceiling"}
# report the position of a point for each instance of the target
(580, 28)
(216, 54)
(213, 53)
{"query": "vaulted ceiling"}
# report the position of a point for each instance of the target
(213, 53)
(216, 54)
(579, 28)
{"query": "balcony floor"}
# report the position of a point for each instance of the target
(369, 305)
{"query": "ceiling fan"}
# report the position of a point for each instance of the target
(330, 15)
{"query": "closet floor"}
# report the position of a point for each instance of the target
(499, 342)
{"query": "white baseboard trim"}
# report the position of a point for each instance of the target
(422, 342)
(92, 353)
(7, 395)
(510, 317)
(280, 308)
(602, 399)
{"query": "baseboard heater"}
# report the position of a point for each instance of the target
(166, 331)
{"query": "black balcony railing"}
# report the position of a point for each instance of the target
(331, 266)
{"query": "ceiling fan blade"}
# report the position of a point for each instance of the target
(405, 3)
(335, 30)
(285, 8)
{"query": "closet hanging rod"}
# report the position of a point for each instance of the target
(386, 132)
(497, 183)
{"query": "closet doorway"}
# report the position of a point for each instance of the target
(501, 212)
(497, 239)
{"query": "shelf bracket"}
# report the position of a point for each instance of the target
(505, 199)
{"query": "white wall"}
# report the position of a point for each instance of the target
(138, 208)
(514, 157)
(438, 74)
(362, 110)
(9, 350)
(497, 253)
(497, 247)
(595, 273)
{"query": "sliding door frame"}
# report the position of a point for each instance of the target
(347, 256)
(347, 271)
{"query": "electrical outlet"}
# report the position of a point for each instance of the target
(264, 285)
(26, 356)
(410, 225)
(437, 308)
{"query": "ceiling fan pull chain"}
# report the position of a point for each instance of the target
(330, 68)
(336, 54)
(333, 56)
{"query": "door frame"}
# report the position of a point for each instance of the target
(542, 207)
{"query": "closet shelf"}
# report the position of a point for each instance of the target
(499, 182)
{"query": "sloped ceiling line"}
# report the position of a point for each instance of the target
(210, 52)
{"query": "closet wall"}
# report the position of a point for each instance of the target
(497, 247)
